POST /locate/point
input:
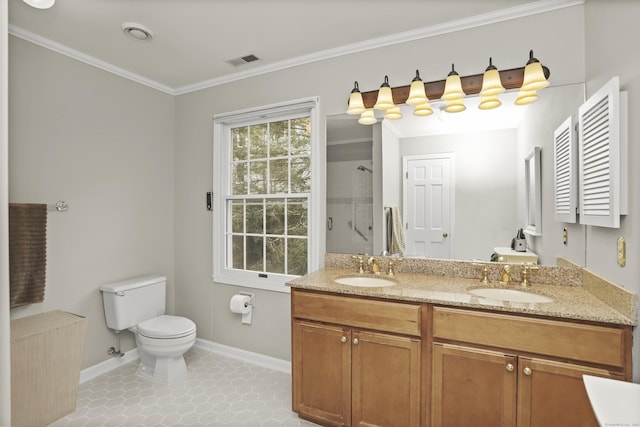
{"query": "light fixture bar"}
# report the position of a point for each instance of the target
(511, 79)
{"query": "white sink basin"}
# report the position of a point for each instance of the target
(614, 402)
(512, 295)
(365, 281)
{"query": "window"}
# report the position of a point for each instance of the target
(264, 173)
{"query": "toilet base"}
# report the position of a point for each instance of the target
(164, 369)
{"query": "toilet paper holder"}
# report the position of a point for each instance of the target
(243, 303)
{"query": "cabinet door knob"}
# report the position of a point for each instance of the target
(527, 371)
(445, 234)
(355, 340)
(343, 339)
(510, 367)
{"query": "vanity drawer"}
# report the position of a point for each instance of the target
(576, 341)
(352, 311)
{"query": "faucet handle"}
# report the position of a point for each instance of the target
(525, 274)
(392, 262)
(485, 272)
(360, 263)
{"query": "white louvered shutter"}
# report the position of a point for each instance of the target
(565, 170)
(602, 154)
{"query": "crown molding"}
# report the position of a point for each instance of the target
(525, 10)
(407, 36)
(87, 59)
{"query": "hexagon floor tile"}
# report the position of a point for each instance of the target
(216, 391)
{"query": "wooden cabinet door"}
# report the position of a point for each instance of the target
(473, 387)
(385, 383)
(322, 373)
(553, 394)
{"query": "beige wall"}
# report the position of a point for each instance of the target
(611, 50)
(332, 80)
(105, 145)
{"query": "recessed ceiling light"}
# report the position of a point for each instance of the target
(40, 4)
(137, 31)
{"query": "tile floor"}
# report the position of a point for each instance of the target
(217, 391)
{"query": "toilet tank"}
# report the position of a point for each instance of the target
(130, 302)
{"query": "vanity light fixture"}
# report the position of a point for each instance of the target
(385, 96)
(526, 97)
(367, 117)
(40, 4)
(535, 78)
(493, 82)
(393, 113)
(453, 92)
(356, 106)
(453, 86)
(423, 110)
(491, 88)
(417, 94)
(534, 75)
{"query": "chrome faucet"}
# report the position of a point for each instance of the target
(375, 268)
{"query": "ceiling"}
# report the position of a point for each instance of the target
(193, 40)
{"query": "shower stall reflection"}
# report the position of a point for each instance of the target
(350, 202)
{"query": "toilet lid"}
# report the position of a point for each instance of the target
(166, 326)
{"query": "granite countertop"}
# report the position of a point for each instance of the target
(569, 302)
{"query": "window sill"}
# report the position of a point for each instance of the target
(252, 284)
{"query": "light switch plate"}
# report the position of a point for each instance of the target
(622, 252)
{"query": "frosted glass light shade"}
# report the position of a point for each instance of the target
(489, 102)
(534, 77)
(526, 97)
(423, 110)
(417, 93)
(385, 99)
(453, 86)
(40, 4)
(356, 104)
(367, 117)
(491, 84)
(393, 114)
(455, 106)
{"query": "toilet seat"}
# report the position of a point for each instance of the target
(166, 327)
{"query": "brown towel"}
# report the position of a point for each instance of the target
(27, 252)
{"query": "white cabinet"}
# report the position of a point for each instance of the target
(565, 166)
(602, 132)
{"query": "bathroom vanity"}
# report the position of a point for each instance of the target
(424, 351)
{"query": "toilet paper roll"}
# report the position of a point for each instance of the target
(240, 304)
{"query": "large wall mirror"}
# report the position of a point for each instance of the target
(367, 167)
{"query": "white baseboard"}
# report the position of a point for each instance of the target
(108, 365)
(274, 363)
(214, 347)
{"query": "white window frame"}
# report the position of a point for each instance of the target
(222, 124)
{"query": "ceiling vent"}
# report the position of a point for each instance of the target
(242, 60)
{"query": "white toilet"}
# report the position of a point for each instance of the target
(138, 305)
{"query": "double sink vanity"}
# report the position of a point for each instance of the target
(445, 343)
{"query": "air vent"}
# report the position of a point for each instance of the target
(242, 60)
